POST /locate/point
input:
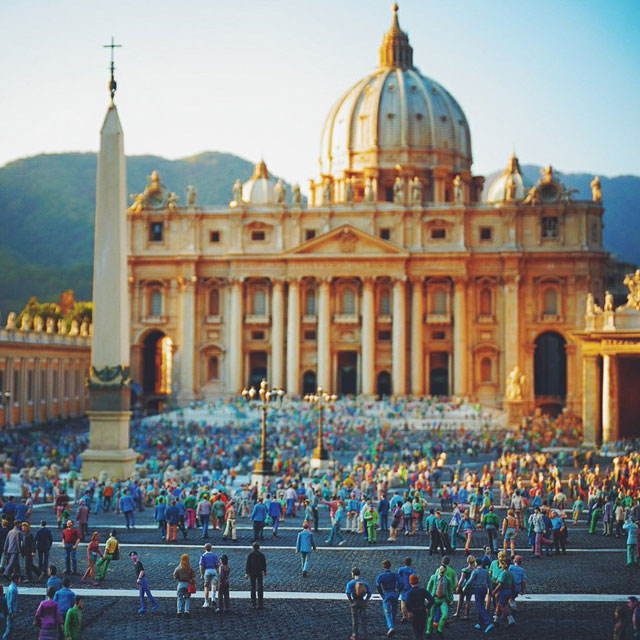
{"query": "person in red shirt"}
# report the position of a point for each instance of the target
(70, 542)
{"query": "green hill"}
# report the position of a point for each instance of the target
(47, 208)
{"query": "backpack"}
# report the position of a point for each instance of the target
(116, 553)
(360, 590)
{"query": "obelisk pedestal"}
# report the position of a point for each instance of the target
(109, 380)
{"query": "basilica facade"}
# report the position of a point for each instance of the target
(395, 276)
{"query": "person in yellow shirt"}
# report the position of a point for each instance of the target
(111, 552)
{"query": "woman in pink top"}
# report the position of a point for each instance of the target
(93, 551)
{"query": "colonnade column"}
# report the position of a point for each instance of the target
(293, 338)
(459, 336)
(609, 398)
(187, 337)
(324, 334)
(398, 345)
(277, 333)
(368, 337)
(591, 396)
(511, 326)
(417, 343)
(235, 337)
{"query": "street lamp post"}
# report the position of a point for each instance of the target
(263, 467)
(322, 400)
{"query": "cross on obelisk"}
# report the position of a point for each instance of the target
(112, 83)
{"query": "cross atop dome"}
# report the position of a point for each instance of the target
(395, 50)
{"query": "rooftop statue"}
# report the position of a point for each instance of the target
(369, 194)
(296, 195)
(547, 174)
(608, 301)
(416, 191)
(172, 201)
(632, 281)
(348, 190)
(11, 320)
(398, 190)
(515, 384)
(590, 305)
(236, 190)
(326, 192)
(458, 190)
(533, 197)
(279, 192)
(191, 195)
(596, 190)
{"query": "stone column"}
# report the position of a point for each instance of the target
(417, 342)
(277, 333)
(511, 331)
(324, 334)
(609, 398)
(187, 337)
(236, 323)
(398, 345)
(293, 338)
(460, 337)
(591, 396)
(368, 337)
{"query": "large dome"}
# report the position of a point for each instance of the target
(395, 116)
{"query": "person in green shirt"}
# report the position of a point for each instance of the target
(503, 591)
(439, 587)
(73, 620)
(491, 522)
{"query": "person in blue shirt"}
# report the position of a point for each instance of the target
(9, 511)
(404, 573)
(389, 586)
(54, 581)
(275, 513)
(519, 580)
(182, 510)
(383, 510)
(127, 506)
(65, 597)
(419, 602)
(631, 527)
(22, 511)
(358, 594)
(304, 544)
(208, 564)
(173, 519)
(479, 581)
(557, 530)
(11, 595)
(258, 517)
(159, 515)
(336, 525)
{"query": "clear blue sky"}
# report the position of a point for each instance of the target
(555, 79)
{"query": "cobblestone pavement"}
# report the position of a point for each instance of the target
(596, 567)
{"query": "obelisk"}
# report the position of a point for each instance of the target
(109, 380)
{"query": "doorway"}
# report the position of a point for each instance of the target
(384, 384)
(347, 373)
(439, 373)
(257, 368)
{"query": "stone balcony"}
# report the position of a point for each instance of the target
(438, 318)
(253, 318)
(346, 318)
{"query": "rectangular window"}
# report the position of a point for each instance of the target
(76, 382)
(30, 386)
(384, 336)
(309, 234)
(43, 385)
(309, 335)
(385, 234)
(486, 234)
(258, 236)
(15, 392)
(550, 227)
(156, 230)
(214, 236)
(56, 389)
(438, 233)
(65, 384)
(257, 335)
(438, 335)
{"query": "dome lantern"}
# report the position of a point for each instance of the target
(395, 50)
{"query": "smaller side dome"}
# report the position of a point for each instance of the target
(260, 188)
(510, 186)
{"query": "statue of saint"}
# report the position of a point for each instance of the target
(75, 328)
(533, 197)
(596, 190)
(296, 195)
(172, 201)
(237, 192)
(608, 301)
(515, 384)
(138, 202)
(38, 323)
(50, 325)
(348, 190)
(191, 195)
(398, 190)
(368, 190)
(26, 322)
(62, 327)
(279, 192)
(547, 173)
(591, 305)
(11, 320)
(458, 191)
(326, 192)
(84, 329)
(416, 191)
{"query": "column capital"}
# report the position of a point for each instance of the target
(277, 280)
(294, 281)
(397, 280)
(368, 281)
(324, 280)
(416, 280)
(459, 281)
(236, 280)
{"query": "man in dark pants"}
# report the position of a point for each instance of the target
(44, 542)
(255, 570)
(418, 603)
(315, 504)
(258, 517)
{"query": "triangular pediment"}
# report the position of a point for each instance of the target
(347, 240)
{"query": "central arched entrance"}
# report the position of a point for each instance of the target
(550, 372)
(347, 373)
(157, 368)
(309, 382)
(384, 384)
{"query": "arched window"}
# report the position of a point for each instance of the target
(439, 302)
(310, 302)
(485, 302)
(486, 374)
(155, 303)
(259, 302)
(213, 368)
(214, 302)
(385, 302)
(550, 302)
(348, 302)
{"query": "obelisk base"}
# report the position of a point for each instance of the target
(110, 451)
(515, 413)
